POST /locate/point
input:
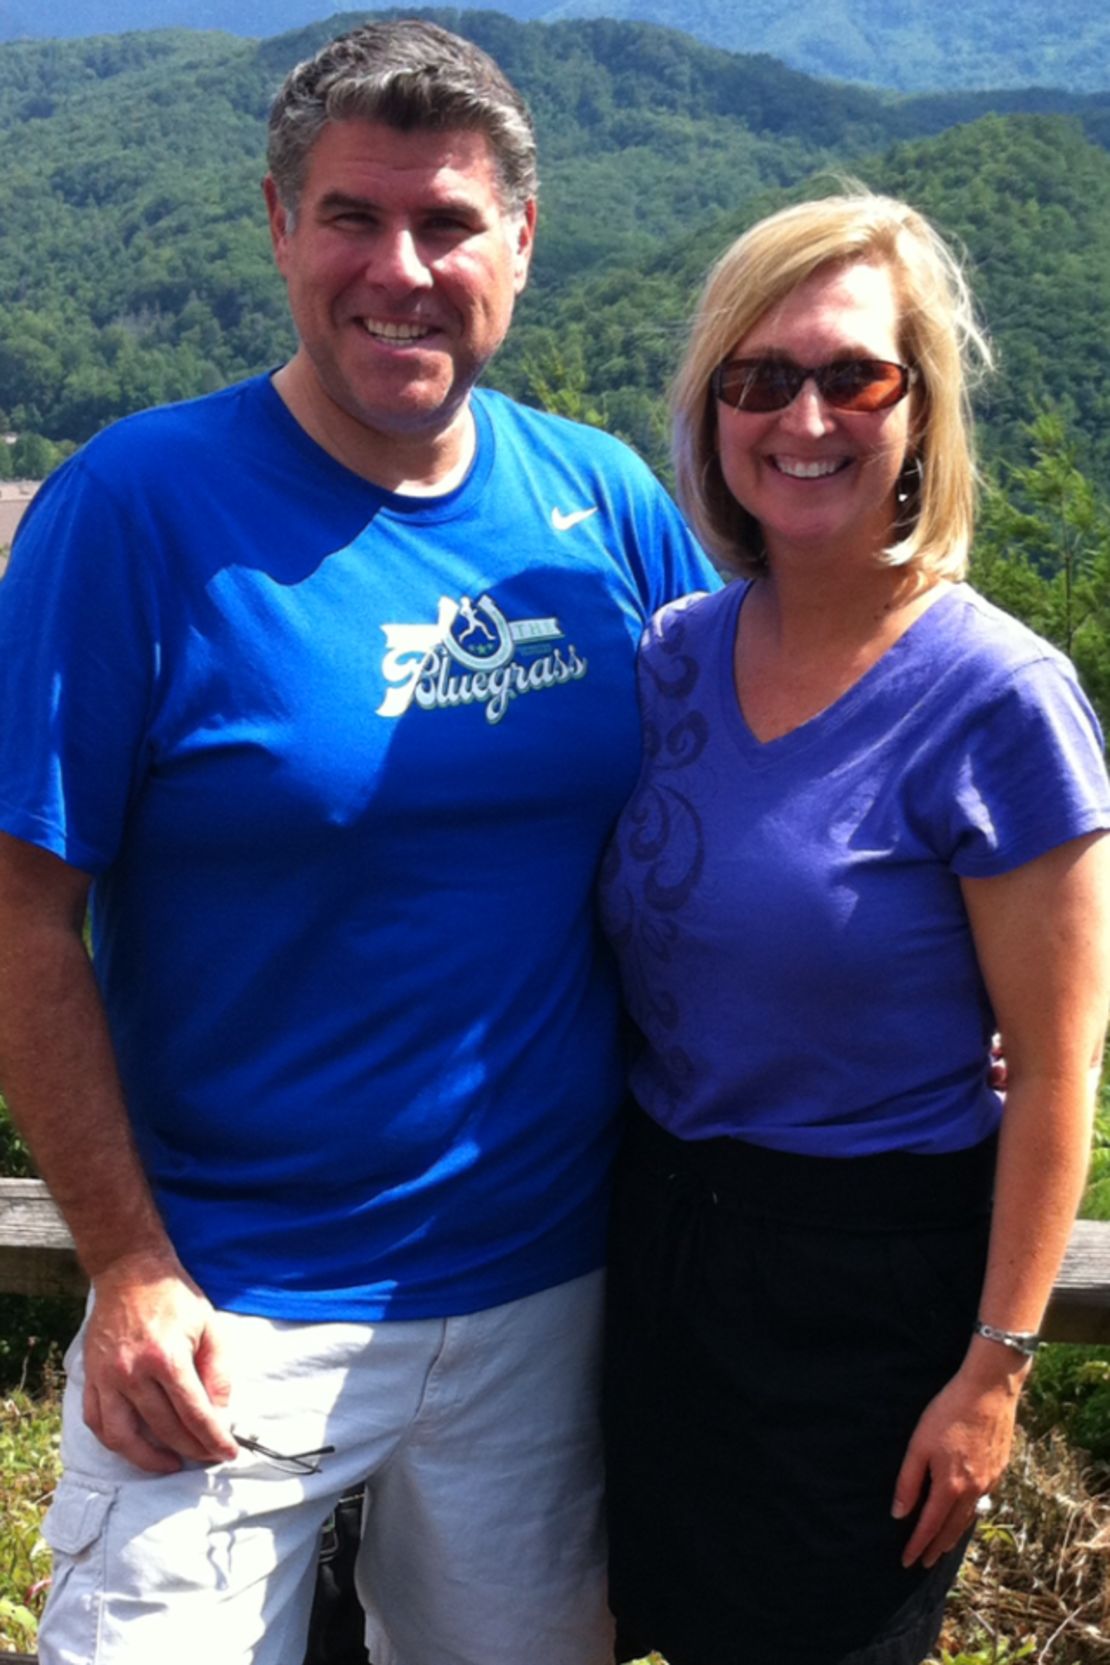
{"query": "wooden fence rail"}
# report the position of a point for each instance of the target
(36, 1250)
(37, 1258)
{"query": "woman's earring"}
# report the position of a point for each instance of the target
(907, 488)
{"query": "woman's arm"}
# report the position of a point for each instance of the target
(1042, 935)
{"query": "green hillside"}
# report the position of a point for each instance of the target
(134, 262)
(931, 44)
(982, 43)
(1027, 196)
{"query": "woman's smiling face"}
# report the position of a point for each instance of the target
(818, 479)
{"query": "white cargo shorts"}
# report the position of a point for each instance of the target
(482, 1535)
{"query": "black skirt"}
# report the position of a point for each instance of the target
(776, 1326)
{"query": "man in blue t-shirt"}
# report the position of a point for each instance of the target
(321, 694)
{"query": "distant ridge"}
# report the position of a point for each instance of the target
(69, 19)
(929, 46)
(135, 266)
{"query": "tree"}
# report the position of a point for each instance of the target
(33, 457)
(1043, 552)
(555, 379)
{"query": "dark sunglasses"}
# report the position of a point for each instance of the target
(290, 1462)
(860, 384)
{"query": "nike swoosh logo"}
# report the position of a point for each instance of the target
(563, 523)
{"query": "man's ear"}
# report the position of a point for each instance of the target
(524, 233)
(278, 217)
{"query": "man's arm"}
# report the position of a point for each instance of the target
(155, 1386)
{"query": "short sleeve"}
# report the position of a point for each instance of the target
(666, 560)
(1029, 772)
(683, 568)
(76, 670)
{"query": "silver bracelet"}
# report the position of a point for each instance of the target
(1021, 1341)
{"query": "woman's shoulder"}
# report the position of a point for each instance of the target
(988, 639)
(1007, 693)
(693, 623)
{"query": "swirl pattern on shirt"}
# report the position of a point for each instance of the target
(656, 856)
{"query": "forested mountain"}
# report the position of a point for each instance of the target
(134, 263)
(1027, 196)
(64, 19)
(931, 44)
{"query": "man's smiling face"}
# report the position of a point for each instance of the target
(402, 265)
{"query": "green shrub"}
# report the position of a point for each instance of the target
(15, 1159)
(35, 1330)
(29, 1466)
(1096, 1198)
(992, 1653)
(1069, 1389)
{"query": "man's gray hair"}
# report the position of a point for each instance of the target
(411, 76)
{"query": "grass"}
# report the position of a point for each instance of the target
(29, 1438)
(1038, 1575)
(1035, 1587)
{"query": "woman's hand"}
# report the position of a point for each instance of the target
(959, 1449)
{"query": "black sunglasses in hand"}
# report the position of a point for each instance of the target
(852, 384)
(290, 1462)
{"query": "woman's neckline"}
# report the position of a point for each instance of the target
(770, 735)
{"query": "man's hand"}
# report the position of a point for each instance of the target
(957, 1453)
(155, 1383)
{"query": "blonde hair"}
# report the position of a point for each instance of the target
(939, 335)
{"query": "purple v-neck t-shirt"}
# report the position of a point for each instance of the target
(788, 916)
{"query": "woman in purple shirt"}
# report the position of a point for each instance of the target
(868, 830)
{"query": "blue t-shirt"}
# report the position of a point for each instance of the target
(788, 917)
(343, 764)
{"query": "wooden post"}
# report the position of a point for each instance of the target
(1080, 1305)
(36, 1250)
